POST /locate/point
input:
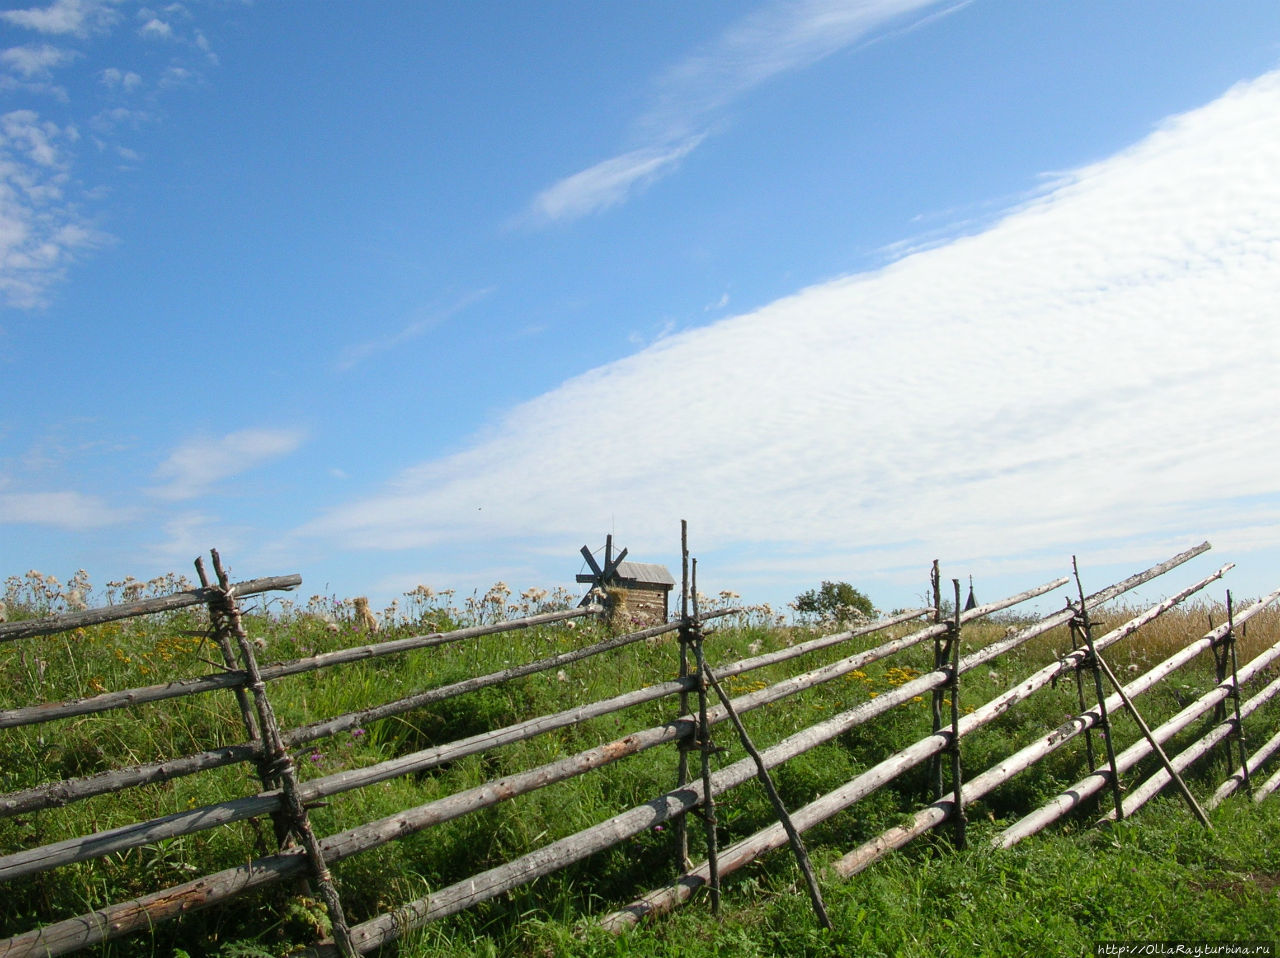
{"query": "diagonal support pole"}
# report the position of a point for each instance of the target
(1155, 745)
(797, 843)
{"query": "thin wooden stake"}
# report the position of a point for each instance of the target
(1082, 624)
(682, 747)
(704, 741)
(1235, 695)
(939, 662)
(780, 809)
(959, 817)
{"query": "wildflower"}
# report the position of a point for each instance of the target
(316, 757)
(358, 733)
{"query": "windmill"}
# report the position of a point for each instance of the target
(600, 578)
(641, 588)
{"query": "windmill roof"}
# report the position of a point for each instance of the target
(649, 573)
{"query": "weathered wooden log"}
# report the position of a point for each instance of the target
(1169, 768)
(55, 794)
(316, 730)
(1184, 759)
(409, 643)
(126, 698)
(1266, 788)
(1098, 779)
(29, 862)
(139, 914)
(128, 610)
(1236, 779)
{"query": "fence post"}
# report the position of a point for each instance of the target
(683, 745)
(281, 764)
(939, 663)
(1082, 625)
(1230, 638)
(706, 747)
(959, 818)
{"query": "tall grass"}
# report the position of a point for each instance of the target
(1156, 877)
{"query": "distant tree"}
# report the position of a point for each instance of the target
(838, 601)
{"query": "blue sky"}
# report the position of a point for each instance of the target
(394, 293)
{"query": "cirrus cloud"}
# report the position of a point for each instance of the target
(199, 464)
(1083, 371)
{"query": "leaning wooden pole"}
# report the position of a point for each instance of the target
(1155, 745)
(779, 807)
(282, 764)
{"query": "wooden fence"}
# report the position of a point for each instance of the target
(281, 796)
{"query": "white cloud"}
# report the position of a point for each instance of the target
(199, 464)
(116, 79)
(64, 17)
(1086, 370)
(40, 233)
(776, 39)
(428, 320)
(191, 534)
(156, 29)
(64, 510)
(43, 194)
(608, 183)
(35, 61)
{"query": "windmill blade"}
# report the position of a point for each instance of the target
(591, 561)
(612, 566)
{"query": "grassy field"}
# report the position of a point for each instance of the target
(1158, 876)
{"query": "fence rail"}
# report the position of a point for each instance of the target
(301, 853)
